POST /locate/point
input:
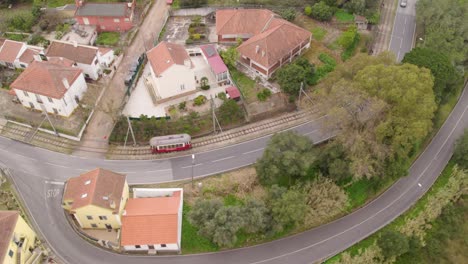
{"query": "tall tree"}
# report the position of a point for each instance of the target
(285, 159)
(461, 151)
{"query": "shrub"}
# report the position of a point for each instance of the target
(322, 12)
(182, 105)
(393, 243)
(188, 41)
(289, 14)
(196, 36)
(288, 207)
(230, 112)
(199, 100)
(461, 151)
(264, 94)
(222, 96)
(308, 10)
(38, 39)
(204, 83)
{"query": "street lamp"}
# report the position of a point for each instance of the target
(193, 163)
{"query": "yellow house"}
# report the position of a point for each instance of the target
(17, 239)
(96, 199)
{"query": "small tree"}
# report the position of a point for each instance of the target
(286, 159)
(256, 216)
(204, 83)
(288, 207)
(289, 14)
(263, 94)
(199, 100)
(290, 78)
(461, 151)
(230, 57)
(230, 112)
(227, 221)
(308, 10)
(322, 12)
(393, 243)
(203, 211)
(347, 38)
(182, 105)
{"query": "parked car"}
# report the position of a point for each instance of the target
(403, 3)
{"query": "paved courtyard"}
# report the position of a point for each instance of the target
(177, 29)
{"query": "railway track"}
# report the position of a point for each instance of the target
(263, 126)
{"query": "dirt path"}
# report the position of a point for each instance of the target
(95, 140)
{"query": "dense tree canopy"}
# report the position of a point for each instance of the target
(445, 28)
(288, 207)
(230, 57)
(285, 159)
(256, 216)
(322, 11)
(460, 155)
(393, 243)
(445, 75)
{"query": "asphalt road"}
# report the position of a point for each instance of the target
(404, 28)
(39, 175)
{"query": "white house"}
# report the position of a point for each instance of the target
(18, 55)
(152, 221)
(55, 88)
(172, 71)
(90, 59)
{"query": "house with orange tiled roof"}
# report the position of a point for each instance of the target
(46, 86)
(18, 55)
(92, 60)
(96, 199)
(269, 41)
(152, 221)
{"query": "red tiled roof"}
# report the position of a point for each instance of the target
(10, 50)
(233, 92)
(150, 221)
(2, 40)
(61, 61)
(166, 54)
(242, 21)
(46, 79)
(8, 221)
(215, 61)
(81, 53)
(28, 55)
(102, 188)
(269, 47)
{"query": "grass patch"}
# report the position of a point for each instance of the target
(319, 33)
(349, 52)
(191, 241)
(232, 200)
(108, 38)
(344, 16)
(175, 4)
(244, 83)
(16, 37)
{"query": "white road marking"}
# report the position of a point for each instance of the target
(61, 166)
(25, 156)
(230, 157)
(195, 165)
(252, 151)
(313, 131)
(55, 182)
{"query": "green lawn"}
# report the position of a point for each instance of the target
(245, 84)
(108, 38)
(318, 33)
(17, 37)
(343, 16)
(191, 241)
(57, 3)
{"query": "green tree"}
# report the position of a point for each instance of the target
(445, 75)
(256, 216)
(347, 38)
(290, 78)
(288, 207)
(393, 243)
(333, 162)
(289, 14)
(444, 26)
(322, 11)
(356, 6)
(224, 226)
(203, 211)
(460, 154)
(230, 112)
(230, 57)
(285, 159)
(308, 10)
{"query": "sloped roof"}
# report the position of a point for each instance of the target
(2, 40)
(98, 187)
(242, 21)
(61, 61)
(215, 61)
(28, 55)
(8, 221)
(151, 221)
(81, 53)
(166, 54)
(274, 43)
(104, 10)
(233, 92)
(10, 50)
(46, 79)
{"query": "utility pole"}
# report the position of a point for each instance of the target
(301, 91)
(47, 116)
(215, 119)
(131, 130)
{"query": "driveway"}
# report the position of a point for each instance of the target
(94, 143)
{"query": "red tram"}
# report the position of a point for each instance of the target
(170, 143)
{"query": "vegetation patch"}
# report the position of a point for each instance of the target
(319, 33)
(108, 38)
(343, 16)
(17, 37)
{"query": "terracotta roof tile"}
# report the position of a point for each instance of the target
(28, 55)
(61, 61)
(242, 21)
(8, 221)
(46, 79)
(166, 54)
(10, 50)
(81, 53)
(151, 221)
(2, 40)
(275, 43)
(98, 187)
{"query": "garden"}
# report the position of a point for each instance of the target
(197, 31)
(108, 38)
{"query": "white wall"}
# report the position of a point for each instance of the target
(169, 247)
(106, 59)
(93, 70)
(170, 81)
(64, 106)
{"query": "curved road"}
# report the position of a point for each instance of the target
(39, 174)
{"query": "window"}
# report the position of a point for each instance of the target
(89, 217)
(26, 94)
(31, 105)
(182, 87)
(10, 253)
(163, 245)
(102, 217)
(94, 225)
(137, 246)
(50, 99)
(22, 65)
(116, 20)
(55, 110)
(151, 246)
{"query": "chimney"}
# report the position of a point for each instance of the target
(257, 48)
(75, 44)
(263, 53)
(37, 57)
(65, 83)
